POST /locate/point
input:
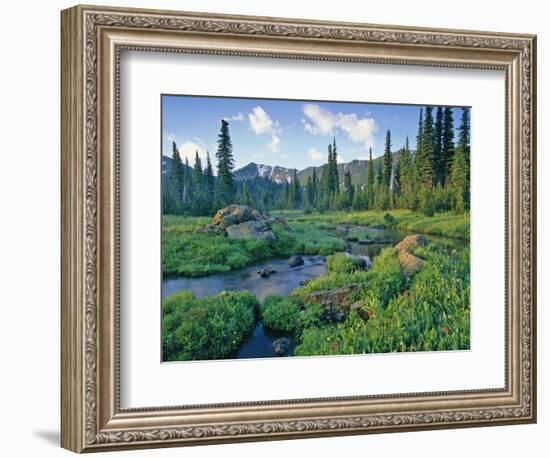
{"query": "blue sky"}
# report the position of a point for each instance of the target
(288, 133)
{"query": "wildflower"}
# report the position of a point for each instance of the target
(334, 344)
(371, 313)
(446, 330)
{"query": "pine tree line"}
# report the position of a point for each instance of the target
(433, 178)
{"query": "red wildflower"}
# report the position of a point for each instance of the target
(446, 330)
(334, 344)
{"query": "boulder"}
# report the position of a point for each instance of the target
(342, 298)
(281, 346)
(410, 242)
(333, 314)
(240, 222)
(250, 230)
(296, 261)
(266, 271)
(410, 264)
(235, 214)
(364, 262)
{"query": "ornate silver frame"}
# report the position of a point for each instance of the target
(92, 39)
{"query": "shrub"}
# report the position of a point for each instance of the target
(311, 316)
(342, 263)
(385, 280)
(208, 328)
(317, 341)
(280, 313)
(389, 219)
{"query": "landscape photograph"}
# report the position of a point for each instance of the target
(313, 228)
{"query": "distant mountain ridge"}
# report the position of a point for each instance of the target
(274, 173)
(278, 174)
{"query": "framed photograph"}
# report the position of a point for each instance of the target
(279, 228)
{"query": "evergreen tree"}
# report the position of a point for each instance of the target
(464, 135)
(246, 197)
(315, 188)
(333, 183)
(324, 190)
(406, 175)
(310, 193)
(348, 190)
(335, 177)
(419, 134)
(458, 180)
(187, 184)
(295, 191)
(464, 132)
(439, 158)
(209, 182)
(197, 196)
(387, 161)
(198, 181)
(286, 196)
(370, 181)
(448, 142)
(175, 183)
(464, 146)
(226, 163)
(425, 157)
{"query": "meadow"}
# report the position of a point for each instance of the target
(187, 252)
(386, 310)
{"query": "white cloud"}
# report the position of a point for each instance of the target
(188, 149)
(324, 122)
(274, 144)
(236, 117)
(261, 122)
(316, 155)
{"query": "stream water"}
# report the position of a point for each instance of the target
(285, 280)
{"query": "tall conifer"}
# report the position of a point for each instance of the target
(387, 161)
(439, 159)
(226, 163)
(448, 141)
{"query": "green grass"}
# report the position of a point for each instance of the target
(431, 313)
(208, 328)
(446, 224)
(311, 238)
(280, 313)
(186, 252)
(342, 263)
